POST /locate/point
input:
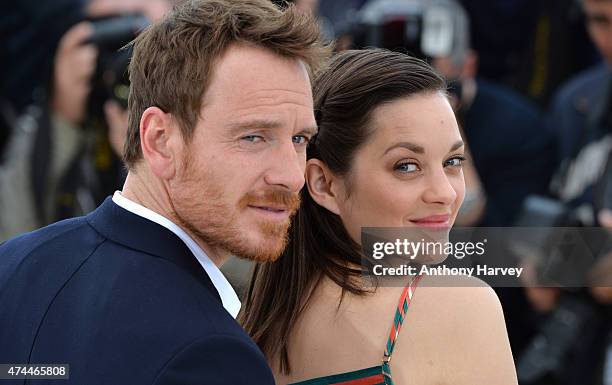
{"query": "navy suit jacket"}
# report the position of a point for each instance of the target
(122, 300)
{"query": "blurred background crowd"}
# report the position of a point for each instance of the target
(530, 82)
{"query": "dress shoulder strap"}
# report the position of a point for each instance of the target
(398, 320)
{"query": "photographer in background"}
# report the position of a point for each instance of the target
(63, 135)
(532, 46)
(575, 322)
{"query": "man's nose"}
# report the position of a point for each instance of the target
(286, 168)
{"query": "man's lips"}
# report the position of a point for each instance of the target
(270, 208)
(272, 212)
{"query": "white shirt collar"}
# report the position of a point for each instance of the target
(229, 298)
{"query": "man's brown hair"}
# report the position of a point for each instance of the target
(173, 60)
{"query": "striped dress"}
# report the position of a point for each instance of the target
(380, 374)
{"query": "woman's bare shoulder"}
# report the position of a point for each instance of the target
(464, 304)
(458, 325)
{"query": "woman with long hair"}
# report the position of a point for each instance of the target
(388, 154)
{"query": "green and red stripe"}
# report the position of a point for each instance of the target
(381, 374)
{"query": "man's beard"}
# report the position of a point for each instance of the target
(216, 223)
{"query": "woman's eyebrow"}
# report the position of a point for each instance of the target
(420, 149)
(407, 145)
(457, 145)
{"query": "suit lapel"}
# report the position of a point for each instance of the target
(133, 231)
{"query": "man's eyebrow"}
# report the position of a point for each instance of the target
(312, 130)
(236, 127)
(419, 149)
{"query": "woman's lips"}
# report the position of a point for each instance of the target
(440, 221)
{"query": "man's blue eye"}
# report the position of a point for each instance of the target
(252, 138)
(300, 139)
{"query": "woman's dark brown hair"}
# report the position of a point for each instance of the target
(346, 93)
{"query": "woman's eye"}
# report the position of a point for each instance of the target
(253, 138)
(407, 167)
(455, 162)
(300, 139)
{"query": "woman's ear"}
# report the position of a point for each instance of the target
(322, 185)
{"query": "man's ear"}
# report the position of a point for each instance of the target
(323, 186)
(160, 140)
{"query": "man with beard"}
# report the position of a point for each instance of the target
(220, 113)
